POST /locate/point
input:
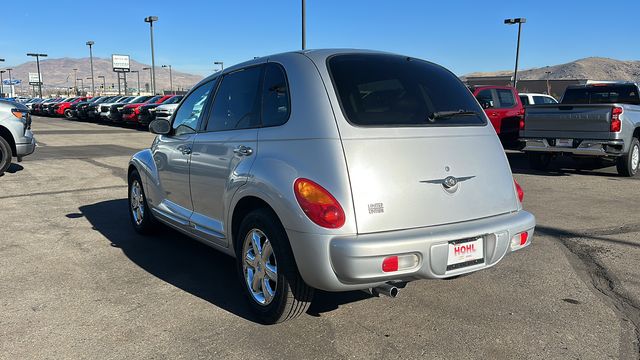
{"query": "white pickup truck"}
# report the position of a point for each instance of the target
(594, 120)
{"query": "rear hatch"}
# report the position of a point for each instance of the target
(412, 162)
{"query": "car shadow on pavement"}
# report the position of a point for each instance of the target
(186, 263)
(563, 166)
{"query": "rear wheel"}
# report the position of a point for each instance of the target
(627, 164)
(67, 114)
(5, 155)
(539, 161)
(268, 272)
(139, 213)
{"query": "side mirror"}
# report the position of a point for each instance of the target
(160, 127)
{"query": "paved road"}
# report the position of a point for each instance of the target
(77, 282)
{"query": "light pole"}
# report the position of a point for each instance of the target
(518, 21)
(170, 77)
(548, 87)
(104, 83)
(38, 56)
(81, 85)
(10, 84)
(150, 20)
(137, 73)
(90, 44)
(1, 83)
(219, 63)
(304, 25)
(150, 77)
(75, 82)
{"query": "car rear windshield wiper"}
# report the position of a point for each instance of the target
(447, 114)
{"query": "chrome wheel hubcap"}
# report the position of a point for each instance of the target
(137, 202)
(635, 157)
(259, 267)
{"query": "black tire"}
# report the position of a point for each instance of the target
(143, 222)
(67, 114)
(5, 155)
(292, 295)
(539, 161)
(625, 163)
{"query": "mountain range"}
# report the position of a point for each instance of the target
(592, 68)
(59, 74)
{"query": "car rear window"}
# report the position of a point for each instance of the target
(392, 90)
(627, 94)
(506, 98)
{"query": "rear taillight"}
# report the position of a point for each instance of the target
(522, 113)
(615, 119)
(318, 204)
(400, 262)
(519, 191)
(520, 240)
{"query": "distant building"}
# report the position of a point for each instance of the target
(556, 86)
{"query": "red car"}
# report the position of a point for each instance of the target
(504, 109)
(62, 108)
(131, 111)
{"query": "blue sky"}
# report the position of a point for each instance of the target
(464, 36)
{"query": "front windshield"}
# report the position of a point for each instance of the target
(138, 99)
(153, 99)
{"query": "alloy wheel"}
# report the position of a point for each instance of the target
(137, 202)
(259, 267)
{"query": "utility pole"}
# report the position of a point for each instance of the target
(138, 73)
(75, 83)
(104, 83)
(518, 21)
(93, 89)
(548, 87)
(150, 20)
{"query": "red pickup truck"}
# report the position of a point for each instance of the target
(504, 109)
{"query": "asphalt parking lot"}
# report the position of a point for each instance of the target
(77, 282)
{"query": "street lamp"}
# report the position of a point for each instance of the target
(1, 83)
(518, 21)
(10, 83)
(81, 86)
(170, 77)
(219, 63)
(104, 83)
(90, 44)
(38, 56)
(548, 87)
(150, 20)
(137, 73)
(75, 82)
(150, 77)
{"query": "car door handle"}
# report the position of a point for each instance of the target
(243, 150)
(185, 150)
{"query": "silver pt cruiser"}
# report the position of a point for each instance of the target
(332, 169)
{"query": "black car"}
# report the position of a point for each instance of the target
(148, 112)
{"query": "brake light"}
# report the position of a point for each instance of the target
(318, 204)
(136, 110)
(520, 240)
(519, 191)
(616, 125)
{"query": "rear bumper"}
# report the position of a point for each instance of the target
(581, 147)
(340, 263)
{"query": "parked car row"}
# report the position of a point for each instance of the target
(133, 110)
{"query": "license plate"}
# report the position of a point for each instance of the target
(564, 143)
(465, 252)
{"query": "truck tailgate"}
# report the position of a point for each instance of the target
(567, 118)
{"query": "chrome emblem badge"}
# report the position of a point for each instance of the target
(450, 183)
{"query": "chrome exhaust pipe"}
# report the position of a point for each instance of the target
(385, 289)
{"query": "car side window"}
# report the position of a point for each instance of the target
(188, 115)
(236, 104)
(506, 98)
(548, 100)
(525, 99)
(276, 103)
(538, 100)
(485, 98)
